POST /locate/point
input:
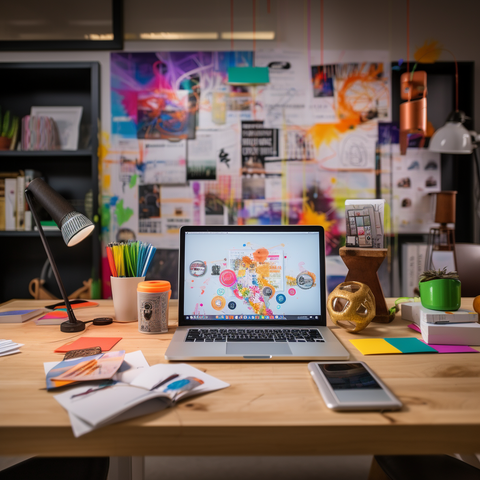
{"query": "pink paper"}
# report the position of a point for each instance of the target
(453, 348)
(415, 327)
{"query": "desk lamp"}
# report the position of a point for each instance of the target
(74, 227)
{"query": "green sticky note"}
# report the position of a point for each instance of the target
(410, 345)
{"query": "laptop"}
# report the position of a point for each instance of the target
(253, 293)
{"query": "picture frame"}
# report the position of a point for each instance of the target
(67, 120)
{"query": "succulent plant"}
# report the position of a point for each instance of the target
(8, 128)
(437, 275)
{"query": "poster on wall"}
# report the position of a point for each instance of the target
(257, 144)
(414, 176)
(163, 95)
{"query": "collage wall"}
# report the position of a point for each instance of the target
(188, 148)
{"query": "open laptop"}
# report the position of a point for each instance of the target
(253, 293)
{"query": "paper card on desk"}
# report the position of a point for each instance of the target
(133, 364)
(415, 327)
(7, 347)
(62, 367)
(410, 345)
(453, 348)
(52, 318)
(74, 304)
(105, 343)
(102, 367)
(374, 346)
(114, 403)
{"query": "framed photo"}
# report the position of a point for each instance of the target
(67, 120)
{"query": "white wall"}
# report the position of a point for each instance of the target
(348, 25)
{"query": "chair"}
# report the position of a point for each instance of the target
(421, 467)
(468, 266)
(58, 468)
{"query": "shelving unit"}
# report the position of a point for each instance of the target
(74, 174)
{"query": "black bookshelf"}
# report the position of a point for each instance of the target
(73, 173)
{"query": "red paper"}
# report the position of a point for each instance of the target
(105, 343)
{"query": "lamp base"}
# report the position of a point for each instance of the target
(69, 327)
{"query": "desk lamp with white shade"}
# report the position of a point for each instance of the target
(74, 226)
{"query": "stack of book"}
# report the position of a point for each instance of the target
(39, 133)
(14, 212)
(459, 327)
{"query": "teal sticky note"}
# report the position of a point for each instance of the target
(410, 345)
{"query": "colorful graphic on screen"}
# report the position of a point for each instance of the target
(252, 276)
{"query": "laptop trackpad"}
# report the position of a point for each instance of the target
(258, 349)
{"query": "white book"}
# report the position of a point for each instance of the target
(10, 203)
(28, 220)
(20, 207)
(416, 312)
(467, 333)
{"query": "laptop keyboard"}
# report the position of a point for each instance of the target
(293, 335)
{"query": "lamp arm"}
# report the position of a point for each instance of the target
(71, 315)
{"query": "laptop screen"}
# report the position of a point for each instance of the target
(252, 274)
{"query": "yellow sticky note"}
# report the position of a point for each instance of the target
(374, 346)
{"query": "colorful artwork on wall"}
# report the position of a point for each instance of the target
(188, 148)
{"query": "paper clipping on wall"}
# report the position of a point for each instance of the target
(164, 161)
(415, 175)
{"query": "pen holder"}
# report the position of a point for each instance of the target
(153, 298)
(124, 294)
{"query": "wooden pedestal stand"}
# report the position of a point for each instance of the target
(363, 264)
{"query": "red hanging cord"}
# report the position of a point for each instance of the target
(408, 36)
(254, 10)
(268, 6)
(321, 32)
(308, 36)
(231, 24)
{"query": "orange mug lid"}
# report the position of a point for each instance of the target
(153, 286)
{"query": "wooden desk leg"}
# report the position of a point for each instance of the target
(364, 269)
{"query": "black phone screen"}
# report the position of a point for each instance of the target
(348, 376)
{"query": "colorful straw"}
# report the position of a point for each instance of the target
(130, 259)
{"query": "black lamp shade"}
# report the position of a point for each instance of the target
(74, 225)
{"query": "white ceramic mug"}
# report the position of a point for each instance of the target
(124, 294)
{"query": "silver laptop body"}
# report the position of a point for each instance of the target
(253, 293)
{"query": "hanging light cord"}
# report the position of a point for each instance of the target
(231, 24)
(321, 32)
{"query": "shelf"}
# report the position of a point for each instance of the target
(30, 233)
(44, 153)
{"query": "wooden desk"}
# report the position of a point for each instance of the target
(271, 408)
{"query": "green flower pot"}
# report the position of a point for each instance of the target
(441, 294)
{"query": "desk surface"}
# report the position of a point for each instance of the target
(271, 408)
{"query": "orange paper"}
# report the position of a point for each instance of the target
(105, 343)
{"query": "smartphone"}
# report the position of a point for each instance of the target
(352, 386)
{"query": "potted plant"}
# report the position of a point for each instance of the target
(8, 130)
(440, 290)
